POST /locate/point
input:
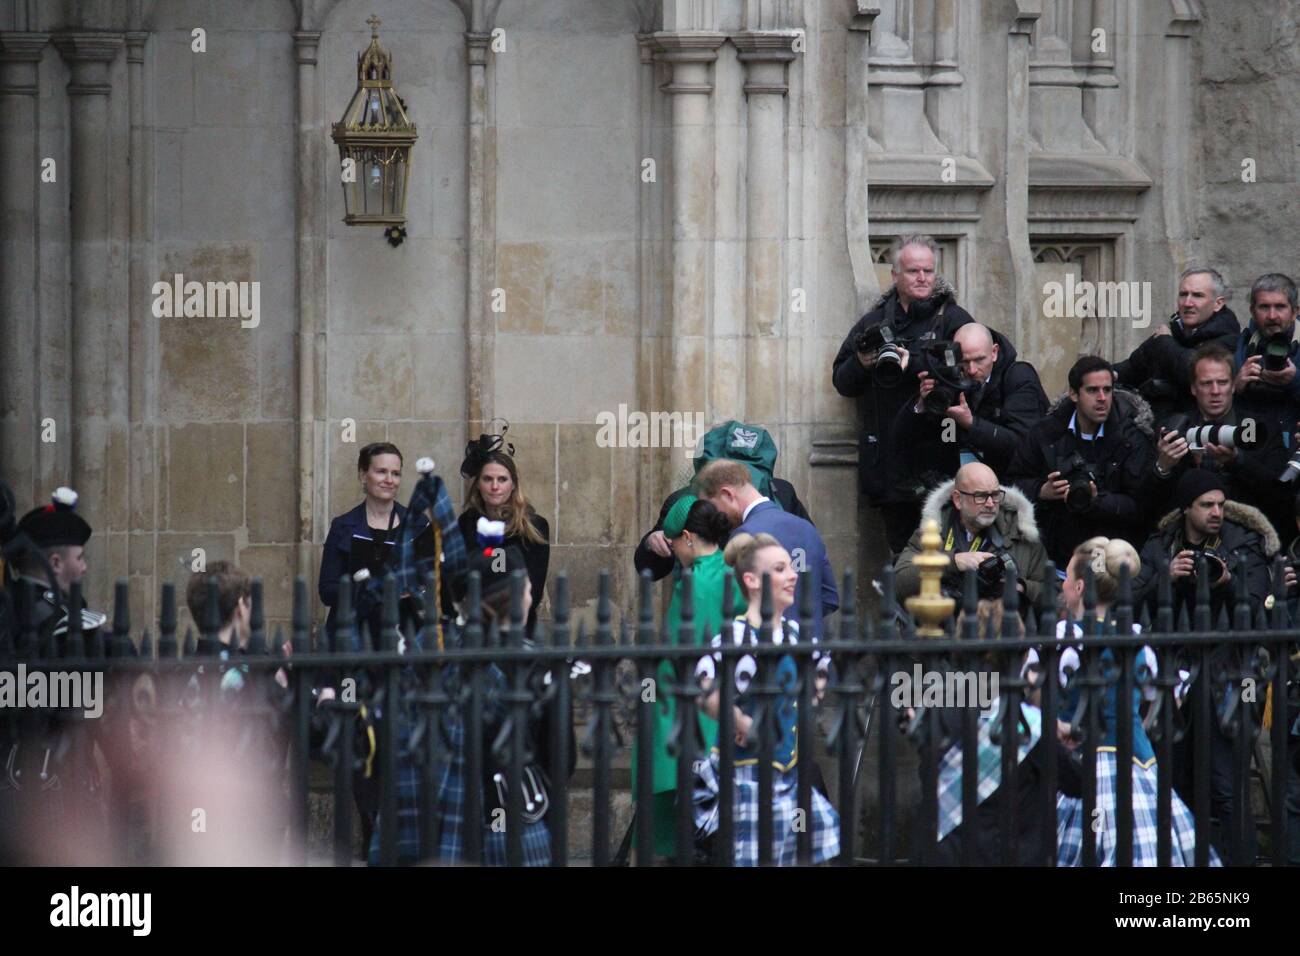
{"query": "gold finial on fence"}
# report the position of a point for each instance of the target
(930, 607)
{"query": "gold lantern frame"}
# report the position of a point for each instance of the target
(377, 135)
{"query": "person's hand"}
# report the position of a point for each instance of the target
(867, 360)
(1171, 447)
(927, 385)
(325, 695)
(1288, 575)
(961, 413)
(969, 560)
(1063, 735)
(744, 724)
(658, 542)
(1162, 329)
(1054, 488)
(1222, 454)
(1251, 371)
(1281, 378)
(1182, 566)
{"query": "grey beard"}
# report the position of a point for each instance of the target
(984, 520)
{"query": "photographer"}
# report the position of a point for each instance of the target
(1234, 538)
(1266, 382)
(1086, 464)
(1248, 454)
(873, 366)
(984, 526)
(975, 403)
(1158, 368)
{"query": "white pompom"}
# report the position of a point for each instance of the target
(64, 496)
(361, 576)
(424, 466)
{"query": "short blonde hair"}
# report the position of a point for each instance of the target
(1106, 556)
(741, 554)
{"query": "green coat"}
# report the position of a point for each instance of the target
(708, 574)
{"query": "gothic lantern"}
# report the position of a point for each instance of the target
(376, 135)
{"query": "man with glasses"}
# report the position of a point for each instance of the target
(982, 526)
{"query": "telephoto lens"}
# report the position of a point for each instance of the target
(1246, 435)
(1276, 348)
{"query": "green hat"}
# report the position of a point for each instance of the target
(751, 445)
(675, 520)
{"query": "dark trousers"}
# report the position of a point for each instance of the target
(901, 519)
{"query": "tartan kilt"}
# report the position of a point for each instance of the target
(823, 821)
(451, 814)
(1070, 822)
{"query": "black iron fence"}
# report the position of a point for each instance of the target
(374, 710)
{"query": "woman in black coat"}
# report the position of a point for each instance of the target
(496, 495)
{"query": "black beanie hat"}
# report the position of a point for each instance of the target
(1196, 482)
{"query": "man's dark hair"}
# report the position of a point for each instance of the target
(373, 449)
(1212, 352)
(232, 584)
(1086, 366)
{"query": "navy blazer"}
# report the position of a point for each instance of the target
(338, 550)
(796, 533)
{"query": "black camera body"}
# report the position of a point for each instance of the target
(991, 575)
(1078, 472)
(1215, 566)
(879, 340)
(1275, 350)
(942, 360)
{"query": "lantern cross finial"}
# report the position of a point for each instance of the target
(374, 22)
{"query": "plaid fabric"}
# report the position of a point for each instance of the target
(410, 571)
(990, 766)
(1146, 833)
(823, 821)
(451, 813)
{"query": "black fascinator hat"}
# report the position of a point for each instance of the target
(478, 451)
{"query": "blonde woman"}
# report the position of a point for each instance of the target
(1106, 557)
(750, 557)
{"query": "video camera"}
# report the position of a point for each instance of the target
(879, 341)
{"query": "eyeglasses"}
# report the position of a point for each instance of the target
(984, 496)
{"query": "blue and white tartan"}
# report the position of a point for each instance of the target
(1146, 832)
(822, 821)
(990, 766)
(450, 811)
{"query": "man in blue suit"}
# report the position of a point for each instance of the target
(727, 485)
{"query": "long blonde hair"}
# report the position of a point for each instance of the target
(517, 512)
(1106, 556)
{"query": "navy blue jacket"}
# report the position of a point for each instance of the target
(798, 537)
(338, 550)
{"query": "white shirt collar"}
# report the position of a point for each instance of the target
(1073, 426)
(754, 504)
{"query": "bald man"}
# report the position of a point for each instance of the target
(999, 400)
(980, 523)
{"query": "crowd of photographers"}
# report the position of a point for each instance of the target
(1203, 405)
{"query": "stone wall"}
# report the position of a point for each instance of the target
(547, 277)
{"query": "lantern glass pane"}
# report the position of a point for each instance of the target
(374, 186)
(396, 187)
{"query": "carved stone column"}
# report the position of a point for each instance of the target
(20, 57)
(480, 331)
(100, 396)
(690, 55)
(309, 224)
(1016, 183)
(765, 56)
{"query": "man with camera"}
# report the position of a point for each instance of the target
(874, 366)
(975, 403)
(982, 526)
(1158, 368)
(1266, 384)
(1085, 465)
(1246, 451)
(1233, 540)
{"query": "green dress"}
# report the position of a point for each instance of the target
(708, 576)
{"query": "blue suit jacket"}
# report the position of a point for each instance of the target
(796, 533)
(338, 550)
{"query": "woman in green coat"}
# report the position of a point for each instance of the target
(696, 532)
